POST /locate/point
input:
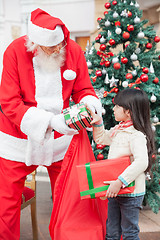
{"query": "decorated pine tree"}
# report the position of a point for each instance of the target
(124, 55)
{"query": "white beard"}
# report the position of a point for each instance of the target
(50, 63)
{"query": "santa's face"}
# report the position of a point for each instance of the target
(48, 58)
(53, 49)
(51, 58)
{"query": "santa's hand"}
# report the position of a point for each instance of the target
(58, 124)
(93, 103)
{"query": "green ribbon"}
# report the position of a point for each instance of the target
(90, 180)
(93, 190)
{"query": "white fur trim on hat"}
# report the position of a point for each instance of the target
(43, 36)
(69, 75)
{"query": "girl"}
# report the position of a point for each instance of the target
(132, 137)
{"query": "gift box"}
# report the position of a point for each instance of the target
(92, 175)
(77, 116)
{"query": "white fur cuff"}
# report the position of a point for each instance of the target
(35, 123)
(93, 103)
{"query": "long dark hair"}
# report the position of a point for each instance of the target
(137, 102)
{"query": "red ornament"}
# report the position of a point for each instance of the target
(145, 70)
(107, 63)
(112, 42)
(105, 94)
(98, 73)
(126, 35)
(129, 14)
(106, 12)
(149, 45)
(100, 156)
(124, 60)
(144, 77)
(129, 76)
(117, 23)
(100, 146)
(98, 53)
(130, 28)
(116, 90)
(97, 38)
(156, 80)
(111, 54)
(157, 39)
(126, 45)
(99, 19)
(107, 5)
(154, 156)
(102, 47)
(116, 66)
(99, 35)
(114, 2)
(159, 57)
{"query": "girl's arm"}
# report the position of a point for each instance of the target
(100, 135)
(138, 147)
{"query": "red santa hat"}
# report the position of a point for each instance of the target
(44, 29)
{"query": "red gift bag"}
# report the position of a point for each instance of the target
(91, 176)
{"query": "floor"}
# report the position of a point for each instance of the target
(149, 222)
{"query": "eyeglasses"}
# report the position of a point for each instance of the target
(64, 45)
(54, 49)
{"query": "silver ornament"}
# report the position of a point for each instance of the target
(118, 30)
(89, 64)
(115, 60)
(137, 20)
(153, 128)
(125, 84)
(153, 98)
(99, 93)
(140, 35)
(115, 15)
(106, 80)
(136, 5)
(151, 68)
(107, 23)
(155, 119)
(102, 40)
(138, 50)
(133, 57)
(134, 73)
(104, 71)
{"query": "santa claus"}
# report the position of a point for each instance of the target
(41, 72)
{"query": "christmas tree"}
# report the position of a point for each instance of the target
(124, 55)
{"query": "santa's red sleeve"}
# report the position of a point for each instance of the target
(10, 92)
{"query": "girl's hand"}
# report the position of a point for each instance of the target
(96, 118)
(114, 188)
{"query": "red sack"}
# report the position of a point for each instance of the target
(91, 176)
(72, 218)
